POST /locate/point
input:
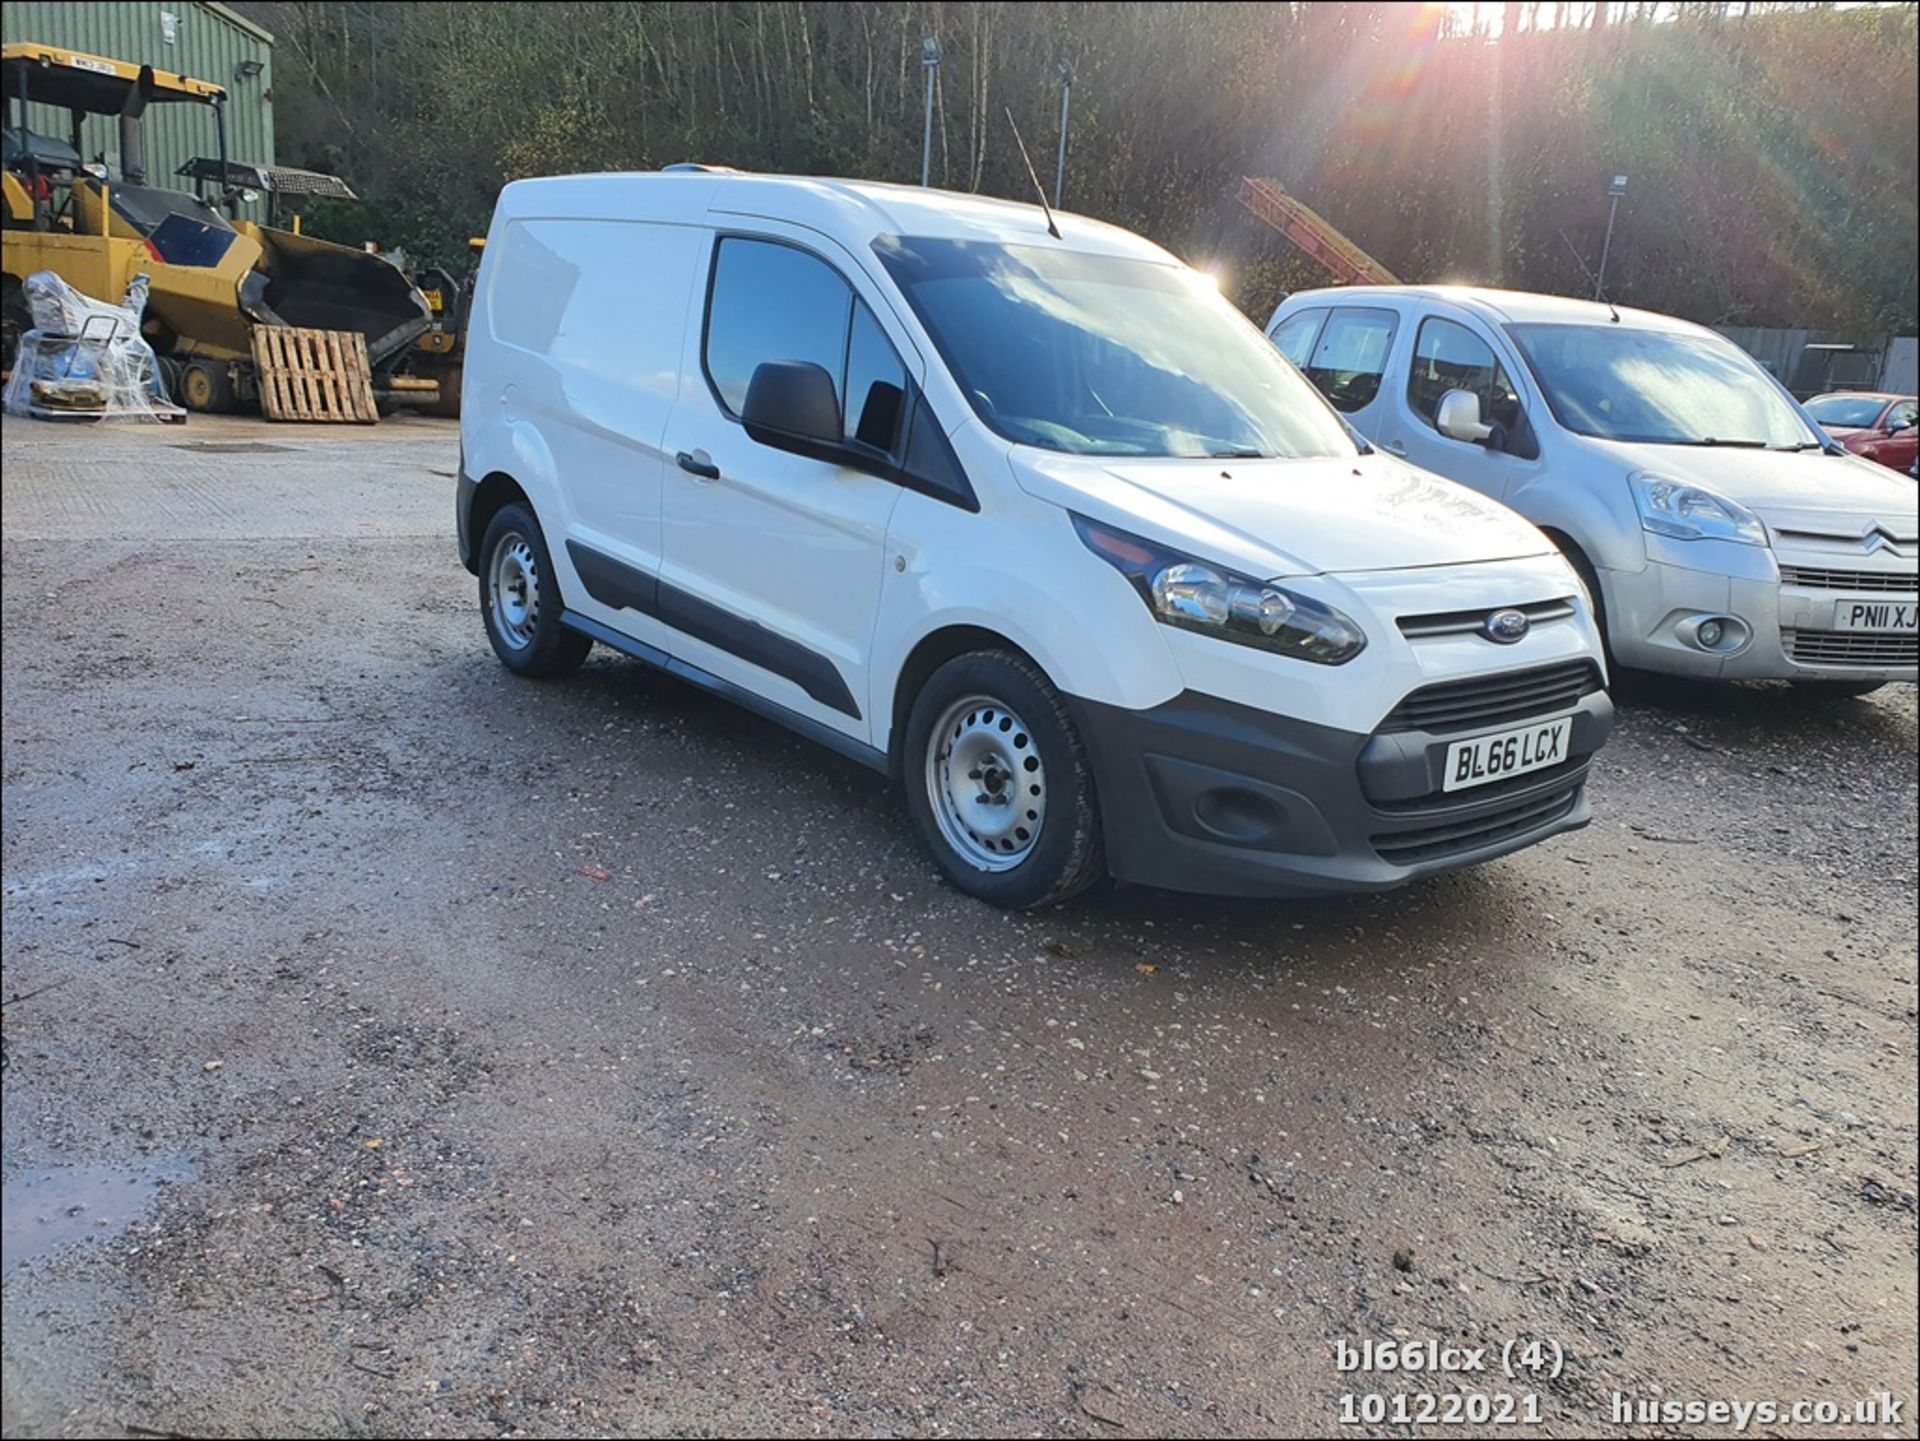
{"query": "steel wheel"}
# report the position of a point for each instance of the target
(513, 590)
(986, 783)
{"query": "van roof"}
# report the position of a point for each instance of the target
(855, 212)
(1504, 307)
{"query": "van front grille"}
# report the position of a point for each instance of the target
(1570, 772)
(1469, 622)
(1878, 581)
(1490, 700)
(1862, 648)
(1455, 838)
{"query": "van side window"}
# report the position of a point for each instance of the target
(876, 385)
(1294, 336)
(773, 302)
(1350, 355)
(1447, 357)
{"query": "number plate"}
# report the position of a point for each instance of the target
(1894, 615)
(1489, 758)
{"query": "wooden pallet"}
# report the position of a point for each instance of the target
(314, 375)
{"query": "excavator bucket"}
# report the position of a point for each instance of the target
(317, 285)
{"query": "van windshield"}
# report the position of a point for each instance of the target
(1657, 387)
(1105, 355)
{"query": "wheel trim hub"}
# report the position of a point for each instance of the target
(513, 590)
(986, 783)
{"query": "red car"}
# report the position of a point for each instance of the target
(1870, 423)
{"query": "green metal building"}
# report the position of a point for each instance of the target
(190, 37)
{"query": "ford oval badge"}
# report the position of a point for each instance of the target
(1507, 626)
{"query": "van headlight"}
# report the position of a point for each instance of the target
(1692, 512)
(1200, 596)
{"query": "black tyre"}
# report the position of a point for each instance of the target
(999, 784)
(520, 599)
(1838, 689)
(206, 386)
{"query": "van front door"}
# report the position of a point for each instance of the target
(771, 565)
(1447, 355)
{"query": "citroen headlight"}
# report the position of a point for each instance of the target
(1200, 596)
(1692, 512)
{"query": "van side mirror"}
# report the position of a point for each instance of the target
(1458, 418)
(791, 405)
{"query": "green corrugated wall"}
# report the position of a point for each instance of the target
(209, 43)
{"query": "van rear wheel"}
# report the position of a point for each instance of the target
(520, 599)
(999, 783)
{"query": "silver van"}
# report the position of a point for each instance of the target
(1721, 533)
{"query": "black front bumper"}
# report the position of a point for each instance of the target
(1208, 795)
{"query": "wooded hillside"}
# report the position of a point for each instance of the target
(1771, 147)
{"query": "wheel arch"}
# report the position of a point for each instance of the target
(502, 451)
(1578, 558)
(929, 653)
(495, 492)
(1592, 580)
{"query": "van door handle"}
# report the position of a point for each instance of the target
(698, 462)
(1395, 447)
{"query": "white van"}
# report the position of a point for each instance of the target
(1724, 534)
(1032, 520)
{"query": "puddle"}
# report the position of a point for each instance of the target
(54, 1208)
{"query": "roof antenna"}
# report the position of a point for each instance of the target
(1590, 275)
(1033, 175)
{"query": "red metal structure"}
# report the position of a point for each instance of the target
(1313, 235)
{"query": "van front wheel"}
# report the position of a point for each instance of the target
(999, 784)
(521, 599)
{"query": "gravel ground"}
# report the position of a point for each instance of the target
(394, 1046)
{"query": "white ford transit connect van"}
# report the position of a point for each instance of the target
(1036, 522)
(1724, 534)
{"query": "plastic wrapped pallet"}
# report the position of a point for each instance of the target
(86, 357)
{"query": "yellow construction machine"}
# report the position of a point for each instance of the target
(440, 355)
(213, 277)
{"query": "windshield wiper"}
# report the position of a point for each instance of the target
(1803, 445)
(1741, 444)
(1236, 455)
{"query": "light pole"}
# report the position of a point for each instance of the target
(1616, 190)
(929, 62)
(1066, 102)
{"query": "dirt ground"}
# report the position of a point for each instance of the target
(395, 1046)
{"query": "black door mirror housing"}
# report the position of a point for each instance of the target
(791, 405)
